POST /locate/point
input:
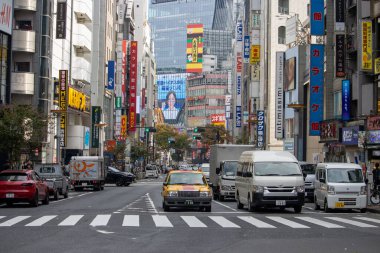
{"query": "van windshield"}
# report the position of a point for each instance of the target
(229, 168)
(277, 169)
(344, 176)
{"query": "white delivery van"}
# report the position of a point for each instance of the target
(151, 171)
(87, 172)
(339, 186)
(269, 179)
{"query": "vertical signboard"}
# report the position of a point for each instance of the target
(63, 106)
(279, 95)
(316, 87)
(96, 114)
(228, 106)
(317, 17)
(339, 15)
(86, 141)
(123, 127)
(346, 99)
(6, 17)
(255, 54)
(377, 66)
(132, 86)
(194, 48)
(123, 71)
(367, 45)
(247, 45)
(340, 57)
(111, 75)
(260, 129)
(61, 19)
(239, 68)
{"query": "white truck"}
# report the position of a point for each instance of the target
(223, 164)
(55, 179)
(87, 172)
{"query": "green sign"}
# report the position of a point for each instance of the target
(118, 103)
(96, 114)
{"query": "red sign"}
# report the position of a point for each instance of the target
(124, 71)
(373, 123)
(132, 86)
(218, 119)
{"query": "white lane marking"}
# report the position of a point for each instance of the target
(151, 203)
(13, 221)
(162, 221)
(320, 222)
(2, 217)
(225, 206)
(131, 221)
(256, 222)
(286, 222)
(193, 222)
(101, 220)
(104, 232)
(116, 212)
(223, 222)
(84, 194)
(72, 197)
(352, 222)
(41, 221)
(71, 220)
(368, 219)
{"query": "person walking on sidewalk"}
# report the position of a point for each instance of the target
(376, 175)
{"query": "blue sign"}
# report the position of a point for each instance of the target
(260, 129)
(373, 137)
(111, 75)
(239, 30)
(247, 47)
(316, 87)
(86, 138)
(350, 135)
(238, 116)
(317, 17)
(346, 99)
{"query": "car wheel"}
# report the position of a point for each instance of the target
(238, 204)
(126, 183)
(221, 198)
(326, 207)
(9, 203)
(251, 207)
(363, 210)
(215, 197)
(316, 206)
(119, 182)
(35, 200)
(298, 209)
(165, 207)
(208, 209)
(66, 195)
(47, 199)
(56, 195)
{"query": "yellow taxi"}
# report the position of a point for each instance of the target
(186, 189)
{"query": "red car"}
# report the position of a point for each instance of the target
(23, 186)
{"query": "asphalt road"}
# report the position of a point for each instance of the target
(131, 219)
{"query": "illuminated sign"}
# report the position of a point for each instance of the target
(63, 106)
(194, 48)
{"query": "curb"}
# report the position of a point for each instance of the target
(373, 210)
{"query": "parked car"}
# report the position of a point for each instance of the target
(120, 178)
(151, 170)
(23, 186)
(57, 182)
(308, 171)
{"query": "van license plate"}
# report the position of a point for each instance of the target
(189, 202)
(280, 203)
(84, 184)
(10, 195)
(339, 204)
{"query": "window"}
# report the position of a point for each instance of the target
(283, 6)
(281, 35)
(24, 24)
(22, 67)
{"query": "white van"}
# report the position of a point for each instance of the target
(269, 179)
(151, 171)
(339, 186)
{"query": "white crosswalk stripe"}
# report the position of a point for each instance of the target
(2, 217)
(162, 221)
(101, 220)
(320, 222)
(368, 219)
(131, 221)
(256, 222)
(287, 222)
(13, 221)
(352, 222)
(72, 220)
(41, 221)
(223, 222)
(193, 222)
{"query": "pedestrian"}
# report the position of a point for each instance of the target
(376, 175)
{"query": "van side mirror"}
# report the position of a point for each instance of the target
(218, 170)
(322, 180)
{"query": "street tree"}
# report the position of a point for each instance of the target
(138, 150)
(214, 135)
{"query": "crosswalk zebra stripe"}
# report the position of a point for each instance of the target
(13, 221)
(352, 222)
(162, 221)
(41, 221)
(368, 219)
(287, 222)
(101, 220)
(320, 222)
(193, 222)
(2, 217)
(223, 222)
(131, 221)
(256, 222)
(71, 220)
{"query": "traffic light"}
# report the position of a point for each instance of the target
(150, 130)
(199, 130)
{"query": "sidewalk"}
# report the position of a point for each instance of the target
(373, 208)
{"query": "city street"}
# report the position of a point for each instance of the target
(131, 219)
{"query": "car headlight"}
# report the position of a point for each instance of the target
(257, 188)
(172, 194)
(204, 194)
(331, 190)
(300, 188)
(363, 190)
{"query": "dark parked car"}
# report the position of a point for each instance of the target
(120, 178)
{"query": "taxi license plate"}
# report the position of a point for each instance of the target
(84, 184)
(189, 202)
(339, 204)
(9, 195)
(280, 203)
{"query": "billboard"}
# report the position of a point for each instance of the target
(111, 75)
(260, 129)
(194, 48)
(367, 45)
(171, 99)
(290, 74)
(132, 87)
(218, 119)
(63, 80)
(340, 57)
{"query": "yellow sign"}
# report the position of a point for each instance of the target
(77, 100)
(123, 127)
(255, 54)
(377, 66)
(367, 45)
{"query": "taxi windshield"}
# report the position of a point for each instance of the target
(186, 179)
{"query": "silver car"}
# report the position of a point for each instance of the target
(308, 170)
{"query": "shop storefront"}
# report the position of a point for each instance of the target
(334, 151)
(350, 137)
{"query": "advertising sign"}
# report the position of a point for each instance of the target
(260, 129)
(123, 127)
(339, 15)
(228, 106)
(346, 99)
(350, 135)
(123, 71)
(367, 45)
(255, 54)
(340, 56)
(132, 86)
(317, 17)
(373, 123)
(291, 29)
(239, 30)
(6, 16)
(96, 115)
(316, 87)
(63, 106)
(279, 128)
(194, 48)
(61, 19)
(247, 45)
(218, 119)
(373, 137)
(377, 66)
(329, 131)
(171, 99)
(86, 141)
(238, 116)
(78, 100)
(111, 75)
(239, 68)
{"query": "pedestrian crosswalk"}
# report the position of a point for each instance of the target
(191, 221)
